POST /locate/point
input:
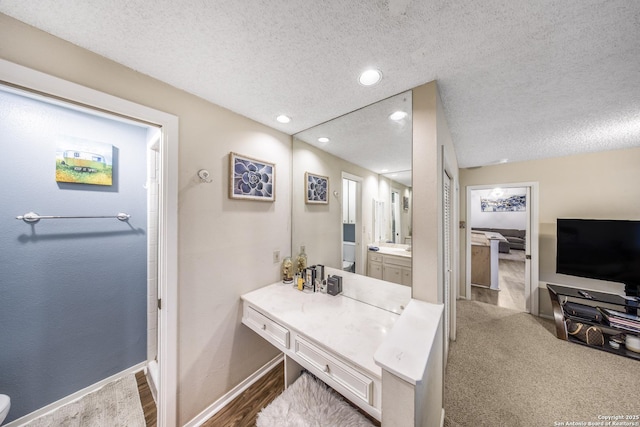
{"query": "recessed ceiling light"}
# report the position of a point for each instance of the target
(398, 115)
(283, 119)
(323, 139)
(370, 77)
(384, 170)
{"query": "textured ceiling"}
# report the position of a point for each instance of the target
(519, 79)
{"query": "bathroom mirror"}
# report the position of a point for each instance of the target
(364, 158)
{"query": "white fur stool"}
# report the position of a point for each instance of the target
(309, 402)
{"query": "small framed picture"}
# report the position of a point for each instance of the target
(405, 203)
(251, 179)
(317, 189)
(84, 162)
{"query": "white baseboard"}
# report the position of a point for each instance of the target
(216, 406)
(75, 396)
(442, 419)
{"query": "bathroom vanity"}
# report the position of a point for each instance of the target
(390, 263)
(383, 358)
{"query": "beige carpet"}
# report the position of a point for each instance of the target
(117, 404)
(508, 369)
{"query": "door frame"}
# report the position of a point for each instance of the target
(530, 291)
(102, 103)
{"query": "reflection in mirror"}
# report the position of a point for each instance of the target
(366, 157)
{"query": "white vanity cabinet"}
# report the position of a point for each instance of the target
(333, 337)
(388, 267)
(353, 346)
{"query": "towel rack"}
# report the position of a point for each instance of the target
(32, 217)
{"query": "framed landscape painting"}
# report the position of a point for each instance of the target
(251, 179)
(84, 162)
(316, 189)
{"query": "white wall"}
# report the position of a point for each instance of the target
(479, 219)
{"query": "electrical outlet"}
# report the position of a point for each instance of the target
(276, 256)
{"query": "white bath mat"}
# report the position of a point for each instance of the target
(117, 404)
(309, 403)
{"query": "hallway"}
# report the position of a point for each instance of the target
(511, 283)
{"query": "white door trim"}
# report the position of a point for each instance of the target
(64, 90)
(531, 291)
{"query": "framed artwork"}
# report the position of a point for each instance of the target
(405, 203)
(84, 162)
(517, 203)
(251, 179)
(317, 189)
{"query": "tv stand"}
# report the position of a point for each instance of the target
(559, 293)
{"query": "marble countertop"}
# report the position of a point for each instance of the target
(349, 328)
(402, 353)
(385, 250)
(379, 293)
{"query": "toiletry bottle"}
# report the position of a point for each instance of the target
(301, 261)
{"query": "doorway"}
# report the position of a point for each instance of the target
(352, 257)
(502, 254)
(101, 110)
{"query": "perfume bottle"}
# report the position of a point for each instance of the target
(301, 261)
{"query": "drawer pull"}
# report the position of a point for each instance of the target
(326, 368)
(264, 327)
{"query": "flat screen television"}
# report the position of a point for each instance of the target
(600, 249)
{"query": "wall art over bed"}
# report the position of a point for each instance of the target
(317, 189)
(516, 203)
(251, 179)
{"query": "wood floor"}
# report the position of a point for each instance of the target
(240, 412)
(243, 410)
(510, 281)
(146, 398)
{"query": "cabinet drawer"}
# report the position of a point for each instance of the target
(375, 257)
(266, 327)
(397, 260)
(357, 383)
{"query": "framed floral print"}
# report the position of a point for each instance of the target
(317, 189)
(251, 179)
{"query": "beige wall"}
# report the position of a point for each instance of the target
(596, 185)
(433, 153)
(225, 246)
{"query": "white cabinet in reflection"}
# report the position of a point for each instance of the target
(349, 189)
(391, 268)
